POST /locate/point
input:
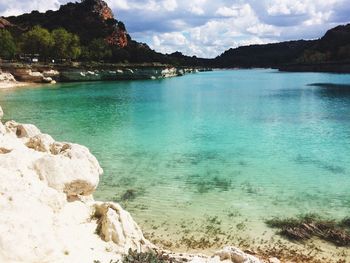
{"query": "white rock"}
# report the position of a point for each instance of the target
(236, 255)
(274, 260)
(22, 130)
(41, 142)
(6, 77)
(73, 176)
(116, 225)
(1, 113)
(47, 79)
(50, 73)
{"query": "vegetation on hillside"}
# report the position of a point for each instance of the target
(8, 47)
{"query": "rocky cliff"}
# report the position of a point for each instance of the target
(4, 23)
(48, 213)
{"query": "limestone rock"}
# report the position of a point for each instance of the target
(50, 73)
(236, 255)
(41, 142)
(73, 171)
(116, 225)
(1, 113)
(6, 77)
(22, 130)
(274, 260)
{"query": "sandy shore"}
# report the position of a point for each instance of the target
(11, 85)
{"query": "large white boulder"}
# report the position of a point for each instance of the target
(74, 171)
(236, 255)
(116, 225)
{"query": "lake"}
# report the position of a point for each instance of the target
(203, 160)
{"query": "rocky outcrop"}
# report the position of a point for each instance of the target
(4, 23)
(48, 213)
(6, 77)
(100, 8)
(122, 74)
(7, 80)
(27, 75)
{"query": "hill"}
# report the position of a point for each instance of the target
(93, 20)
(329, 53)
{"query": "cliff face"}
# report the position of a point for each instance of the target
(101, 8)
(89, 19)
(4, 23)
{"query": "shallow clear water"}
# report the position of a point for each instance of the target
(243, 145)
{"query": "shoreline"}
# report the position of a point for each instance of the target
(47, 197)
(78, 72)
(283, 252)
(16, 85)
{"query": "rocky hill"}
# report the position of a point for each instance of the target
(329, 53)
(269, 55)
(89, 19)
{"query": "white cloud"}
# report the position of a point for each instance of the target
(217, 35)
(118, 4)
(170, 5)
(19, 7)
(197, 7)
(226, 11)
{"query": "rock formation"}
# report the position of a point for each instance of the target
(4, 23)
(48, 213)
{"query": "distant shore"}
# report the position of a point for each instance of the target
(14, 74)
(330, 67)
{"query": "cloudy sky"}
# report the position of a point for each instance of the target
(208, 27)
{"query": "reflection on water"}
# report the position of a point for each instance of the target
(203, 160)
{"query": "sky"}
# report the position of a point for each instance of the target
(206, 28)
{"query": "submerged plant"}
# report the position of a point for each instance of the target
(146, 257)
(128, 195)
(311, 225)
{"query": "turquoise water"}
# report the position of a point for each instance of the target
(232, 148)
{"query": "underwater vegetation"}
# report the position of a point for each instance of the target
(147, 257)
(129, 195)
(322, 165)
(209, 181)
(307, 226)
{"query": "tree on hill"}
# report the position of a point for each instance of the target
(37, 41)
(65, 45)
(97, 50)
(8, 46)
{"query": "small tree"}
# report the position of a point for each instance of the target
(8, 46)
(37, 41)
(97, 50)
(66, 45)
